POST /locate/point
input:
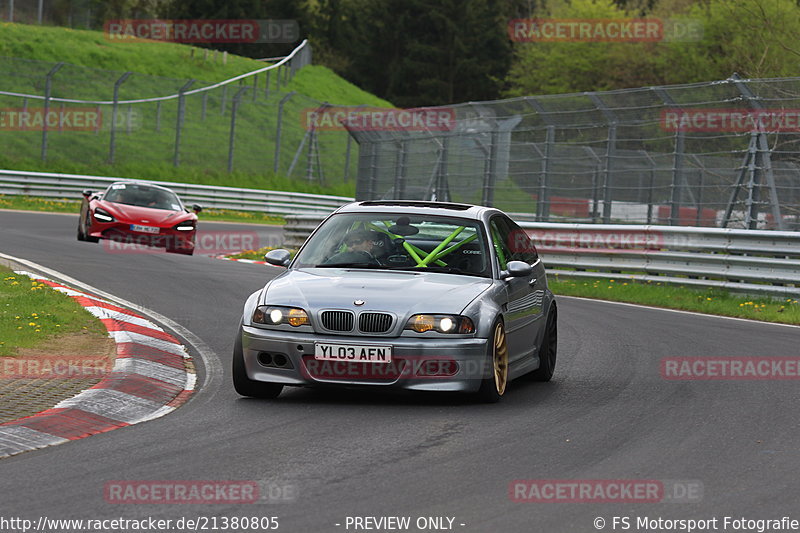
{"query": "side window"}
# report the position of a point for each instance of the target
(499, 236)
(521, 245)
(511, 243)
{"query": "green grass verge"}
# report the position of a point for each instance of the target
(63, 205)
(31, 313)
(709, 301)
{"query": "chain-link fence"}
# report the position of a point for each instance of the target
(62, 113)
(722, 153)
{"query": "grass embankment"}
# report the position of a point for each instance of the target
(32, 315)
(146, 149)
(708, 301)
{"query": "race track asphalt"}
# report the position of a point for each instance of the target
(608, 414)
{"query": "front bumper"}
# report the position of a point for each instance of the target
(125, 239)
(430, 364)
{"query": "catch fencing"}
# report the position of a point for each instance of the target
(252, 123)
(676, 155)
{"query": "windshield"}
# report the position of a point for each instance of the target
(399, 242)
(142, 196)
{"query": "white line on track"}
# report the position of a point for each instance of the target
(748, 320)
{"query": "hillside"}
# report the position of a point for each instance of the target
(146, 134)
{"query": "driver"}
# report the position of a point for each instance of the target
(360, 248)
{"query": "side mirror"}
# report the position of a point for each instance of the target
(279, 257)
(86, 193)
(516, 269)
(197, 208)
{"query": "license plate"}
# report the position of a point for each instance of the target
(354, 353)
(144, 229)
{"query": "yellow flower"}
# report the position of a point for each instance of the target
(708, 299)
(31, 323)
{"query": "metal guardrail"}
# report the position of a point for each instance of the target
(48, 185)
(751, 261)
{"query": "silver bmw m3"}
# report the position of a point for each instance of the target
(402, 294)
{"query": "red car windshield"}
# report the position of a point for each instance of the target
(142, 196)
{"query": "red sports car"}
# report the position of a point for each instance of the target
(138, 214)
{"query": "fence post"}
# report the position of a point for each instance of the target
(266, 85)
(112, 149)
(373, 170)
(11, 10)
(677, 163)
(205, 105)
(400, 172)
(489, 178)
(47, 87)
(255, 86)
(234, 109)
(179, 122)
(764, 164)
(543, 205)
(347, 157)
(700, 186)
(276, 159)
(611, 147)
(650, 187)
(442, 187)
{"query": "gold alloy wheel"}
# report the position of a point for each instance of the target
(500, 359)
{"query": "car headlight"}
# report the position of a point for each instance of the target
(101, 215)
(185, 226)
(441, 323)
(272, 315)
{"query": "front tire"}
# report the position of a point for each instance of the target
(549, 349)
(494, 386)
(83, 231)
(243, 384)
(81, 235)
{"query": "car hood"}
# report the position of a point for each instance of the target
(143, 215)
(397, 292)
